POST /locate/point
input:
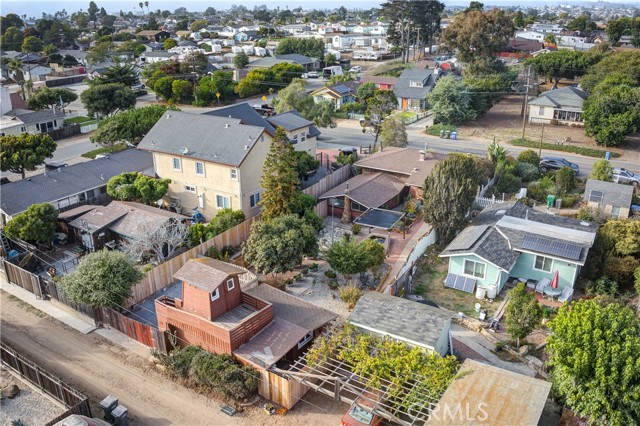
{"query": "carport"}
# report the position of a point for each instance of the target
(379, 218)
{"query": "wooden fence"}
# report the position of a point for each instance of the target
(47, 382)
(146, 334)
(23, 278)
(329, 182)
(65, 132)
(55, 291)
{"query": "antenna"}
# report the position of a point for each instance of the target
(184, 150)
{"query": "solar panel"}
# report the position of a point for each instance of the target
(555, 248)
(467, 237)
(458, 282)
(341, 89)
(596, 196)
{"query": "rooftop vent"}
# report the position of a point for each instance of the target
(101, 176)
(184, 150)
(226, 126)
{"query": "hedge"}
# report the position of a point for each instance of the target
(589, 152)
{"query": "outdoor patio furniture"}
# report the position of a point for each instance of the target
(532, 284)
(542, 284)
(552, 292)
(567, 294)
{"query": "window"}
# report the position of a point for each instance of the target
(413, 83)
(596, 196)
(23, 129)
(223, 202)
(306, 340)
(234, 174)
(190, 188)
(176, 163)
(303, 136)
(615, 212)
(541, 111)
(543, 264)
(199, 168)
(474, 269)
(230, 284)
(215, 295)
(254, 200)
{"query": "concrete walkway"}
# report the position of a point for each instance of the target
(74, 319)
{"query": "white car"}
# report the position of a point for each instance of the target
(313, 74)
(355, 69)
(626, 176)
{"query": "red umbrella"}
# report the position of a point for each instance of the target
(554, 282)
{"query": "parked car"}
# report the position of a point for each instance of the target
(137, 86)
(556, 163)
(313, 74)
(355, 69)
(621, 175)
(360, 414)
(264, 110)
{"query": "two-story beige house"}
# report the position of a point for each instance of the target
(213, 162)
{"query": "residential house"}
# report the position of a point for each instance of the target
(158, 56)
(294, 29)
(413, 323)
(309, 64)
(385, 180)
(301, 132)
(381, 82)
(17, 121)
(613, 199)
(68, 187)
(248, 35)
(183, 34)
(521, 45)
(106, 226)
(413, 87)
(513, 240)
(154, 35)
(78, 55)
(230, 31)
(213, 162)
(338, 94)
(325, 30)
(376, 29)
(486, 395)
(546, 28)
(559, 106)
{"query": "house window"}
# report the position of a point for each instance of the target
(254, 199)
(23, 129)
(306, 340)
(474, 269)
(223, 202)
(190, 188)
(413, 83)
(176, 163)
(615, 212)
(303, 136)
(542, 263)
(230, 284)
(541, 111)
(357, 207)
(215, 295)
(199, 168)
(234, 174)
(596, 196)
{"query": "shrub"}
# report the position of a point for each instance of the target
(527, 201)
(591, 214)
(355, 229)
(589, 152)
(485, 167)
(147, 268)
(527, 172)
(529, 156)
(140, 92)
(602, 287)
(569, 200)
(313, 267)
(565, 180)
(621, 270)
(548, 185)
(435, 129)
(508, 183)
(350, 294)
(535, 192)
(330, 274)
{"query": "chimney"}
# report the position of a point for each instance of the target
(422, 155)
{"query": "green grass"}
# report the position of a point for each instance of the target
(78, 120)
(589, 152)
(116, 148)
(435, 129)
(27, 307)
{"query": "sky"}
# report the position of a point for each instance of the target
(36, 7)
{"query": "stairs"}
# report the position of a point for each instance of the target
(6, 248)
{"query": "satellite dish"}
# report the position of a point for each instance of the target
(184, 150)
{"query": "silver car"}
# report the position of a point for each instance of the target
(621, 175)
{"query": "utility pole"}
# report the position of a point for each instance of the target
(526, 101)
(541, 139)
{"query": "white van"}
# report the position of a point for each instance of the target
(329, 72)
(355, 69)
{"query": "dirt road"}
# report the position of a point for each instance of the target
(97, 368)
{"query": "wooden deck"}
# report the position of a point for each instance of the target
(231, 319)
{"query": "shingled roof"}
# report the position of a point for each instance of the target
(369, 189)
(206, 273)
(406, 161)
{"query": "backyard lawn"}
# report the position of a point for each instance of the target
(80, 120)
(429, 284)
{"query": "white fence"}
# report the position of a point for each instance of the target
(88, 128)
(484, 201)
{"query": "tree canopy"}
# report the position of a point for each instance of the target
(104, 100)
(314, 48)
(125, 74)
(563, 64)
(294, 97)
(31, 44)
(25, 152)
(612, 115)
(593, 355)
(102, 279)
(523, 313)
(379, 107)
(450, 101)
(219, 82)
(349, 257)
(602, 170)
(393, 133)
(449, 192)
(240, 60)
(37, 224)
(133, 186)
(130, 126)
(625, 62)
(48, 98)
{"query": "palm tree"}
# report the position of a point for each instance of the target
(15, 66)
(141, 8)
(146, 3)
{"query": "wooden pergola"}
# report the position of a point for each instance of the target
(336, 379)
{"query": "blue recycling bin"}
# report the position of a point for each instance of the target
(454, 136)
(607, 155)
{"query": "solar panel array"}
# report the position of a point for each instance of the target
(461, 283)
(554, 248)
(467, 237)
(341, 89)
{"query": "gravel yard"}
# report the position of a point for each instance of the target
(29, 406)
(312, 289)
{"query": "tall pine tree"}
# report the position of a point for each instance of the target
(280, 178)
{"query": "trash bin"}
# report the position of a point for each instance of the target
(441, 134)
(120, 416)
(551, 199)
(607, 155)
(481, 292)
(447, 134)
(108, 405)
(492, 292)
(454, 135)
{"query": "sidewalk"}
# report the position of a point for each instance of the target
(74, 319)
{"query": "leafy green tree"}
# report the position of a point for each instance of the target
(164, 87)
(93, 13)
(365, 92)
(523, 313)
(451, 101)
(10, 21)
(329, 59)
(198, 24)
(563, 64)
(256, 81)
(102, 279)
(612, 115)
(518, 19)
(602, 170)
(278, 245)
(582, 23)
(305, 163)
(220, 82)
(182, 91)
(279, 177)
(240, 60)
(104, 100)
(624, 62)
(224, 220)
(49, 49)
(293, 97)
(49, 98)
(349, 257)
(130, 126)
(449, 192)
(379, 107)
(529, 156)
(133, 186)
(31, 44)
(124, 74)
(565, 180)
(170, 43)
(37, 224)
(393, 133)
(486, 90)
(593, 356)
(311, 47)
(12, 39)
(25, 152)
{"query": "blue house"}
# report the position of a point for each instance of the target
(513, 240)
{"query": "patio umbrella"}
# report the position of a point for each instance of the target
(554, 282)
